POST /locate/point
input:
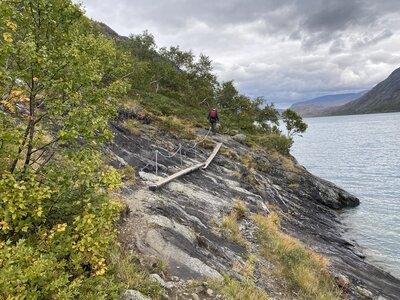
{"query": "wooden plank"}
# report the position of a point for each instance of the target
(174, 176)
(203, 165)
(209, 160)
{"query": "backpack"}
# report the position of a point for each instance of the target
(213, 114)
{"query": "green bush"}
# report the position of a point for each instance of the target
(276, 142)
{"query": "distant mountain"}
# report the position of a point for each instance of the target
(317, 106)
(384, 97)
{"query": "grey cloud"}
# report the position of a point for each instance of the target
(284, 50)
(368, 41)
(337, 46)
(336, 15)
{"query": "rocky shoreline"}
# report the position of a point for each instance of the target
(177, 223)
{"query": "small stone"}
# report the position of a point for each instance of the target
(343, 281)
(239, 137)
(205, 284)
(175, 278)
(209, 292)
(170, 285)
(195, 296)
(199, 289)
(157, 278)
(133, 295)
(364, 292)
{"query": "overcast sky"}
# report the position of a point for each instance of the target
(284, 50)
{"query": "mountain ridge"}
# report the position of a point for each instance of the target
(317, 106)
(383, 98)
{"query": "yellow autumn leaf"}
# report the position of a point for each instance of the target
(7, 37)
(40, 211)
(100, 272)
(35, 79)
(4, 225)
(11, 25)
(61, 227)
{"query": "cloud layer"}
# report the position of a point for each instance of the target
(284, 50)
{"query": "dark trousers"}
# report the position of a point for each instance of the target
(213, 126)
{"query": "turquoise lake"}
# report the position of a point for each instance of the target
(361, 153)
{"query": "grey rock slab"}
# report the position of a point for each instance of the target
(171, 224)
(178, 258)
(148, 176)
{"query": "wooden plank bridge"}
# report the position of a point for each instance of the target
(191, 169)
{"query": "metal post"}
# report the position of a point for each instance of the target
(156, 162)
(180, 153)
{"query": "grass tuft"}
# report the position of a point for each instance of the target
(305, 271)
(230, 227)
(177, 127)
(127, 270)
(128, 175)
(239, 209)
(235, 290)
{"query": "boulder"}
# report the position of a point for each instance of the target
(133, 295)
(240, 137)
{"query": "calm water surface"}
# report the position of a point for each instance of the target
(362, 155)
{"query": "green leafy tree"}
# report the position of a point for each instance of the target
(56, 76)
(58, 85)
(227, 94)
(267, 117)
(294, 123)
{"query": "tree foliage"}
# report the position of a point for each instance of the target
(58, 84)
(294, 123)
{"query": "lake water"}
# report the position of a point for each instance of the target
(361, 154)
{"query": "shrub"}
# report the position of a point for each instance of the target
(276, 142)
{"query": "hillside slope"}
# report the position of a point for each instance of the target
(182, 222)
(383, 98)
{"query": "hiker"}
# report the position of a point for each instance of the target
(213, 118)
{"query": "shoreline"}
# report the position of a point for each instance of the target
(371, 256)
(309, 211)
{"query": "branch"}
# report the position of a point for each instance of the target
(8, 92)
(46, 145)
(40, 118)
(45, 162)
(205, 99)
(38, 158)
